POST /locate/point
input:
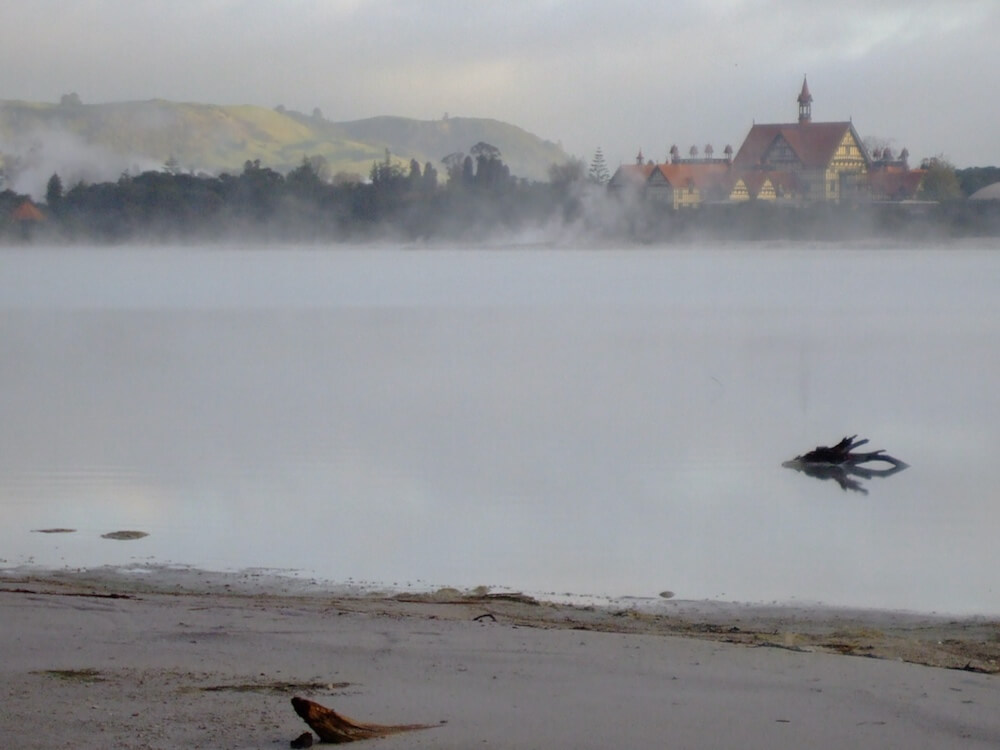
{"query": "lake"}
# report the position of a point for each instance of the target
(560, 421)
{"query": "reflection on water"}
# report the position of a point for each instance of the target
(846, 465)
(848, 476)
(590, 422)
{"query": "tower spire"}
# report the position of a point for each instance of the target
(805, 103)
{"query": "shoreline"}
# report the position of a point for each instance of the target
(965, 642)
(93, 659)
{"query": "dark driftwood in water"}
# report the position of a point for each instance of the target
(330, 726)
(842, 465)
(841, 454)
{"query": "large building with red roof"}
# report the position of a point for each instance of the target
(796, 162)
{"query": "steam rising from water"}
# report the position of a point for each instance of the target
(30, 161)
(597, 422)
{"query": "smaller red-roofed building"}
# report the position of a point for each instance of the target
(895, 184)
(631, 177)
(891, 178)
(27, 211)
(629, 182)
(684, 185)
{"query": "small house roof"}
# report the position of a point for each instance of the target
(27, 211)
(700, 176)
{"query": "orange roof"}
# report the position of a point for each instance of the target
(814, 143)
(27, 211)
(700, 176)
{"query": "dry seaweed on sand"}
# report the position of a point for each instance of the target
(336, 728)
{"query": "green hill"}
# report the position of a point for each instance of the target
(78, 139)
(525, 154)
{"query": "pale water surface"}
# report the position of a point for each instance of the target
(595, 422)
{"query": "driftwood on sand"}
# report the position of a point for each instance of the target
(335, 728)
(843, 464)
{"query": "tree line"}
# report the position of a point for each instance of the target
(474, 195)
(470, 197)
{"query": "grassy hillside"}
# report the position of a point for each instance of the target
(38, 139)
(525, 154)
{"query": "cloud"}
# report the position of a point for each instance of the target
(586, 72)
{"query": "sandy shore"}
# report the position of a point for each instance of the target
(114, 660)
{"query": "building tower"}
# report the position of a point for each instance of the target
(805, 104)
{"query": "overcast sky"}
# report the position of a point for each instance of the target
(619, 74)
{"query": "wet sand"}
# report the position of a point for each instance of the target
(111, 659)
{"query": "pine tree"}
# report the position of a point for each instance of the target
(54, 191)
(598, 169)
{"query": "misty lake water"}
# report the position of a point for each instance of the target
(604, 422)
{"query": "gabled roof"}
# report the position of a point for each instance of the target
(754, 180)
(701, 176)
(631, 174)
(813, 142)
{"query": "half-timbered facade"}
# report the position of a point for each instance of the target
(828, 159)
(796, 162)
